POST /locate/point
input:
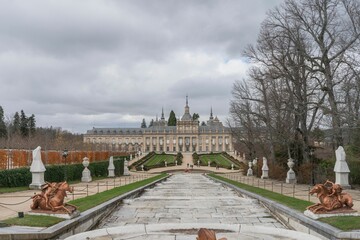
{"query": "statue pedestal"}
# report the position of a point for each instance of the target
(335, 213)
(37, 180)
(86, 175)
(58, 214)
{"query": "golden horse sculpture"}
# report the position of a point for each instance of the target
(331, 198)
(52, 198)
(206, 234)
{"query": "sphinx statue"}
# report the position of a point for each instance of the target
(331, 198)
(52, 197)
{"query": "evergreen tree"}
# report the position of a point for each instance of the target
(143, 124)
(3, 130)
(151, 123)
(16, 123)
(24, 130)
(203, 123)
(172, 119)
(195, 116)
(32, 125)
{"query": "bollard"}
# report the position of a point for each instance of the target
(107, 187)
(281, 188)
(87, 190)
(264, 184)
(98, 189)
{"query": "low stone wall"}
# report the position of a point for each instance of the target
(86, 221)
(296, 220)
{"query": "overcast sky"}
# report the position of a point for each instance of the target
(83, 64)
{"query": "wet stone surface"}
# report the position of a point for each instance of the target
(190, 198)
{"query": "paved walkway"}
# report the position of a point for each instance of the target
(12, 203)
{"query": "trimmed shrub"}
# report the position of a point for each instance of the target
(56, 173)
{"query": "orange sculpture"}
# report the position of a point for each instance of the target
(331, 198)
(52, 198)
(206, 234)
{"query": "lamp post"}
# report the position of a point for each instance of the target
(65, 154)
(311, 153)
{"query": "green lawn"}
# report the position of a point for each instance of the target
(344, 223)
(83, 204)
(218, 158)
(160, 158)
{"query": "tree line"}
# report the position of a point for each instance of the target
(305, 77)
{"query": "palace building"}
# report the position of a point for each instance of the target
(186, 136)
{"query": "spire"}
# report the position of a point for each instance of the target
(211, 114)
(187, 115)
(162, 114)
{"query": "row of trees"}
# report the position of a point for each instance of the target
(19, 124)
(305, 76)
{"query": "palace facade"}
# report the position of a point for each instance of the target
(186, 136)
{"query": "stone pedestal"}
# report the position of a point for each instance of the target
(37, 170)
(290, 176)
(126, 168)
(341, 168)
(86, 174)
(265, 169)
(111, 167)
(250, 171)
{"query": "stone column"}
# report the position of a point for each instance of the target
(341, 168)
(86, 174)
(37, 170)
(111, 167)
(290, 176)
(265, 169)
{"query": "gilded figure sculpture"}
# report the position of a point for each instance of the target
(52, 197)
(331, 198)
(206, 234)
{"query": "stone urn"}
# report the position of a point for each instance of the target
(290, 176)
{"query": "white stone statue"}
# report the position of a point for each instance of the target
(265, 169)
(165, 163)
(131, 157)
(290, 176)
(175, 162)
(341, 168)
(111, 167)
(142, 167)
(209, 163)
(232, 166)
(126, 168)
(37, 170)
(250, 171)
(198, 162)
(86, 174)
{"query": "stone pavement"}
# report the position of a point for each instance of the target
(177, 208)
(12, 203)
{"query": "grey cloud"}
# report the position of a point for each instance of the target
(78, 64)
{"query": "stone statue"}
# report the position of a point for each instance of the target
(37, 170)
(52, 198)
(206, 234)
(331, 198)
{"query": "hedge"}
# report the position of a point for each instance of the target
(56, 173)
